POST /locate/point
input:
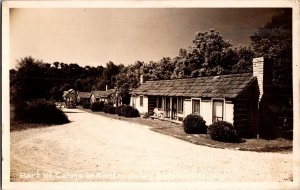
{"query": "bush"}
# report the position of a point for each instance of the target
(105, 108)
(97, 106)
(43, 112)
(86, 105)
(128, 111)
(120, 110)
(111, 110)
(223, 131)
(194, 124)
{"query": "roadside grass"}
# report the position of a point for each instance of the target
(176, 130)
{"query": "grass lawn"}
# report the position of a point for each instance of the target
(175, 130)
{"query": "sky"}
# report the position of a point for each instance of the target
(96, 36)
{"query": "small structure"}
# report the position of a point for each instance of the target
(70, 98)
(234, 98)
(107, 96)
(83, 97)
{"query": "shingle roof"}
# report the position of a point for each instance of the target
(103, 94)
(84, 94)
(223, 86)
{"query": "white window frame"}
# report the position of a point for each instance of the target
(199, 104)
(157, 102)
(212, 108)
(182, 100)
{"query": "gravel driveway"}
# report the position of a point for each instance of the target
(96, 148)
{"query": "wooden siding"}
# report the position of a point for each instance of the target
(151, 104)
(246, 112)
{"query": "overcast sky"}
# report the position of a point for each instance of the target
(95, 36)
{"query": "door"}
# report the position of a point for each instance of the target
(167, 107)
(218, 109)
(174, 108)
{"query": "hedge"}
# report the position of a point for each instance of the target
(194, 124)
(43, 112)
(223, 131)
(97, 106)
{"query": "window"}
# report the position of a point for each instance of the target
(196, 106)
(180, 105)
(141, 100)
(218, 107)
(159, 102)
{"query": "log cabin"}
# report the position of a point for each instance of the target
(234, 98)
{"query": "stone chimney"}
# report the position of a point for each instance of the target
(142, 78)
(106, 87)
(262, 70)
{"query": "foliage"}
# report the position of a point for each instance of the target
(120, 110)
(105, 108)
(97, 106)
(111, 110)
(274, 40)
(209, 54)
(127, 111)
(86, 105)
(223, 131)
(42, 111)
(194, 124)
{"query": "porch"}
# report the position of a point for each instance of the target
(166, 108)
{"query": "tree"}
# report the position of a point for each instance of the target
(27, 82)
(244, 63)
(210, 54)
(274, 40)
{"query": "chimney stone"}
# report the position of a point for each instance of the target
(106, 87)
(262, 70)
(142, 79)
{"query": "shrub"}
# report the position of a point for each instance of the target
(105, 108)
(97, 106)
(223, 131)
(110, 103)
(194, 124)
(86, 105)
(120, 110)
(129, 111)
(43, 112)
(111, 110)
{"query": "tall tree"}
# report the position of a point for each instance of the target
(274, 40)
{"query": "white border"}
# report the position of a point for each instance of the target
(149, 4)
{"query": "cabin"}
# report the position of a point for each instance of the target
(234, 98)
(99, 95)
(83, 97)
(70, 98)
(107, 96)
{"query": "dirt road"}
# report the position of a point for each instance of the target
(96, 148)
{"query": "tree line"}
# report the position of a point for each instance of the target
(209, 54)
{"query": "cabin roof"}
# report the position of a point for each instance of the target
(84, 94)
(222, 86)
(103, 94)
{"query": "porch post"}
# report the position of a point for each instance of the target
(171, 107)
